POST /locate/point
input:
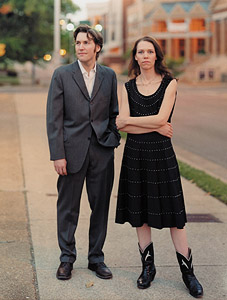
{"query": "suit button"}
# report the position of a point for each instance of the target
(89, 138)
(91, 102)
(91, 120)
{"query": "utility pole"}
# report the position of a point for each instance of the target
(57, 35)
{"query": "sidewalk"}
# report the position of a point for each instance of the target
(208, 240)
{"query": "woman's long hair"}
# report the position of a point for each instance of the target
(160, 68)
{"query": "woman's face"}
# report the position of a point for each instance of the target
(145, 55)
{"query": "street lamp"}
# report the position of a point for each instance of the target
(63, 52)
(47, 57)
(98, 27)
(2, 49)
(62, 22)
(70, 27)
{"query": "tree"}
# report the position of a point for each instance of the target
(27, 27)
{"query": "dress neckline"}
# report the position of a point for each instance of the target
(147, 96)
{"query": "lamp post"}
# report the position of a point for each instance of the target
(57, 37)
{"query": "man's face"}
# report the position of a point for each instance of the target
(85, 48)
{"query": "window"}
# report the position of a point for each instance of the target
(163, 45)
(113, 36)
(181, 47)
(197, 25)
(159, 26)
(201, 46)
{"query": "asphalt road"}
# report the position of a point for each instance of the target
(200, 122)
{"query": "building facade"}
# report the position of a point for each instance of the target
(192, 30)
(219, 27)
(181, 27)
(110, 15)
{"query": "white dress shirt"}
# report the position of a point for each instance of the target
(88, 78)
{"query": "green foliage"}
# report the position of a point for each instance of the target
(127, 54)
(8, 80)
(27, 29)
(175, 65)
(67, 41)
(123, 135)
(211, 185)
(125, 72)
(202, 52)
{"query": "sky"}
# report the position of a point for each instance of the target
(82, 14)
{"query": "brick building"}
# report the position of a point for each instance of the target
(219, 27)
(194, 30)
(181, 27)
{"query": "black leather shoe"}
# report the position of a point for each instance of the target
(101, 270)
(64, 271)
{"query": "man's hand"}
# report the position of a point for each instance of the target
(166, 130)
(60, 166)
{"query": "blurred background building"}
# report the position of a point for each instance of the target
(191, 32)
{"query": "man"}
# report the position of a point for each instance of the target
(81, 113)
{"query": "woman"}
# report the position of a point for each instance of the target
(150, 192)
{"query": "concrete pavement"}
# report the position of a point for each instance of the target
(17, 273)
(33, 176)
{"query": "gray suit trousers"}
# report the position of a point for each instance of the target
(98, 170)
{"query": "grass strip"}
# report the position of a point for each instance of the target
(209, 184)
(123, 134)
(8, 80)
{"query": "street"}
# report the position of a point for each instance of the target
(200, 122)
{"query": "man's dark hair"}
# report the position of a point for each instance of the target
(91, 34)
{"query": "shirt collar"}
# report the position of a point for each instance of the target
(83, 71)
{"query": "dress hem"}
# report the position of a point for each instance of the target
(151, 225)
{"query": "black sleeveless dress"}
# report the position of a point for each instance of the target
(150, 188)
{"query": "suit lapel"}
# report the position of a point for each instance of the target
(78, 77)
(98, 80)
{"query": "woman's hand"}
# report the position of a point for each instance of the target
(166, 130)
(121, 121)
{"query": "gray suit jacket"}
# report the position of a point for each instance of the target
(72, 114)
